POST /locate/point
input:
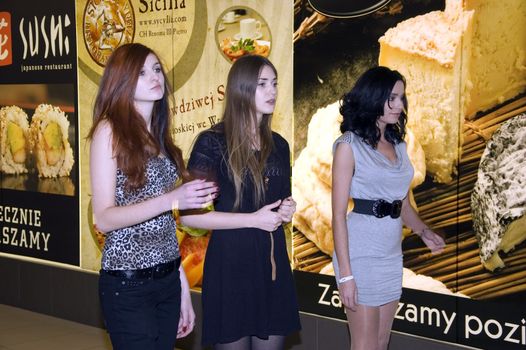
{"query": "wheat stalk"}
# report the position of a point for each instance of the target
(494, 282)
(503, 292)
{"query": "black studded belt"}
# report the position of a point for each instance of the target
(154, 272)
(378, 208)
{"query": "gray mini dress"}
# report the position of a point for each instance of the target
(375, 247)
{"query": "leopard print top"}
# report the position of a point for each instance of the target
(150, 242)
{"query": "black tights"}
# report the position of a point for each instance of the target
(274, 342)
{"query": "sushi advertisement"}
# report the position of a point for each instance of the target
(466, 93)
(38, 126)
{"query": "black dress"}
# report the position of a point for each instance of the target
(239, 296)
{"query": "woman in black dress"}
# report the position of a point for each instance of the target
(249, 299)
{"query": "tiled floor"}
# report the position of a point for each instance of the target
(24, 330)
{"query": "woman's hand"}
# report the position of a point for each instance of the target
(195, 194)
(187, 315)
(432, 240)
(287, 209)
(266, 219)
(349, 294)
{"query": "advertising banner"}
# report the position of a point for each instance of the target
(464, 66)
(464, 63)
(39, 128)
(197, 42)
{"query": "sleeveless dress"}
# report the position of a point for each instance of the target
(375, 244)
(239, 296)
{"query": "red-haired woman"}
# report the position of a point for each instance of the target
(134, 166)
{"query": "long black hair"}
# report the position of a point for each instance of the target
(364, 105)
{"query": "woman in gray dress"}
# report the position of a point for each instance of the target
(371, 166)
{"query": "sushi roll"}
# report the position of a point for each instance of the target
(14, 140)
(49, 141)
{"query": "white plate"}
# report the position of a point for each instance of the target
(263, 42)
(256, 36)
(260, 42)
(232, 21)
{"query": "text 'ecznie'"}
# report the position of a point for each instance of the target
(20, 216)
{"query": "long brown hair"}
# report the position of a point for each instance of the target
(240, 120)
(132, 143)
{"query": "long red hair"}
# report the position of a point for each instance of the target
(132, 143)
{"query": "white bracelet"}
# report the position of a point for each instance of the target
(345, 279)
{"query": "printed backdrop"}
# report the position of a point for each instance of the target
(466, 122)
(192, 39)
(39, 214)
(464, 63)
